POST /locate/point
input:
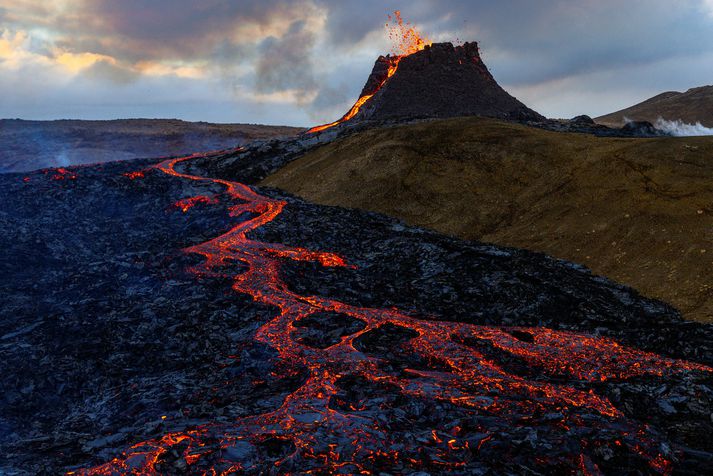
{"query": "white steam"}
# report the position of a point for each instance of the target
(62, 159)
(679, 128)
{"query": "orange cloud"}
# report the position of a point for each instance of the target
(76, 62)
(156, 68)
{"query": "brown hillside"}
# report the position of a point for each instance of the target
(635, 210)
(695, 105)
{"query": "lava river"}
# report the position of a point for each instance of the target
(317, 433)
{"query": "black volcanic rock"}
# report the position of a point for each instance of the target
(583, 119)
(440, 81)
(108, 340)
(641, 128)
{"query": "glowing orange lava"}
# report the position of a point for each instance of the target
(406, 41)
(62, 174)
(405, 38)
(468, 378)
(134, 175)
(187, 203)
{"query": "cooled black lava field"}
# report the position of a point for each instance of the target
(157, 319)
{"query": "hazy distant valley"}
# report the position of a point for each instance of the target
(32, 145)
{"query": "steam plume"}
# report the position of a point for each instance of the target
(679, 128)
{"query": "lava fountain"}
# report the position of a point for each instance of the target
(406, 41)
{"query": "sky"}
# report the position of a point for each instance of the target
(304, 62)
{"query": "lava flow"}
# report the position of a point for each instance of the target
(61, 174)
(406, 41)
(187, 203)
(317, 429)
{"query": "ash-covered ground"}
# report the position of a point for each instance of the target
(107, 340)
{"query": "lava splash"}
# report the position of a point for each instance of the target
(338, 421)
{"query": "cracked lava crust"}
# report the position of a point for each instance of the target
(542, 406)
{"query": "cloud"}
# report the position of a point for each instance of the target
(110, 71)
(140, 30)
(76, 62)
(20, 54)
(13, 52)
(286, 63)
(679, 128)
(708, 7)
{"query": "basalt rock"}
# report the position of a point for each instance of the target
(643, 128)
(583, 119)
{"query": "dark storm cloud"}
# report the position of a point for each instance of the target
(141, 30)
(179, 28)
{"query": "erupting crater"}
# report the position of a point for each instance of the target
(424, 79)
(380, 366)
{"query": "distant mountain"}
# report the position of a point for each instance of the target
(31, 145)
(695, 105)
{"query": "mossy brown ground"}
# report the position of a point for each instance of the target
(639, 211)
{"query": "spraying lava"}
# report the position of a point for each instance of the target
(319, 429)
(406, 41)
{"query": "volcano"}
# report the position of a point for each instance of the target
(440, 80)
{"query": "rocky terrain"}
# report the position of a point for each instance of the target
(635, 210)
(158, 321)
(32, 145)
(692, 106)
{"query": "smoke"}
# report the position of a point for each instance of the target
(679, 128)
(62, 159)
(286, 63)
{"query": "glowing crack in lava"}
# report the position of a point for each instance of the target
(187, 203)
(134, 175)
(324, 434)
(406, 41)
(61, 174)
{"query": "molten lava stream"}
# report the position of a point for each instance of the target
(393, 66)
(322, 437)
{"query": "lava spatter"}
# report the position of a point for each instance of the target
(318, 429)
(407, 41)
